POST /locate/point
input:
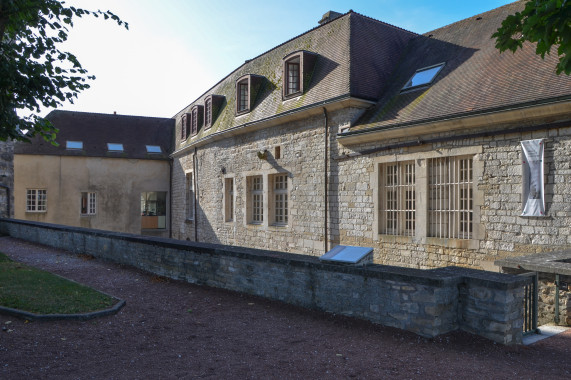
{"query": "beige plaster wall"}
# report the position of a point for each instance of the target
(117, 182)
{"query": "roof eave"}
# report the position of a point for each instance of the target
(556, 107)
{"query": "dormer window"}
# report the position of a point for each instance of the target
(208, 112)
(114, 147)
(424, 76)
(196, 119)
(73, 145)
(242, 95)
(297, 72)
(185, 126)
(247, 88)
(212, 106)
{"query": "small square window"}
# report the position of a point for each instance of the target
(423, 76)
(114, 147)
(74, 144)
(154, 149)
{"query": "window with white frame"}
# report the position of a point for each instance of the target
(189, 196)
(280, 199)
(450, 197)
(256, 199)
(88, 203)
(229, 199)
(398, 199)
(36, 200)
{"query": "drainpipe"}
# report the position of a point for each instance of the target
(326, 180)
(195, 179)
(170, 197)
(556, 319)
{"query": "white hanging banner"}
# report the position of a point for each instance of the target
(532, 178)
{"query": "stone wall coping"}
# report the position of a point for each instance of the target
(557, 262)
(440, 277)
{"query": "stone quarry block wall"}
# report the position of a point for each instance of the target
(427, 302)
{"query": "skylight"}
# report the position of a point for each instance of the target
(112, 147)
(423, 76)
(74, 144)
(154, 149)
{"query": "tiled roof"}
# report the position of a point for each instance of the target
(476, 77)
(96, 130)
(355, 55)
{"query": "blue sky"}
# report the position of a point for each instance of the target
(176, 50)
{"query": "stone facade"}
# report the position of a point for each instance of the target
(426, 302)
(6, 179)
(336, 139)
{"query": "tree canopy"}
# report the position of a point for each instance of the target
(544, 22)
(34, 72)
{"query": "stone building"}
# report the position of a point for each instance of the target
(361, 133)
(6, 179)
(109, 172)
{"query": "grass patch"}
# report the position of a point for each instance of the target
(36, 291)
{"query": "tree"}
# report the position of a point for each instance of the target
(34, 72)
(545, 22)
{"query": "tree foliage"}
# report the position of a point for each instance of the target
(34, 72)
(544, 22)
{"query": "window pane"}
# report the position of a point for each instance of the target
(450, 197)
(154, 149)
(242, 96)
(398, 210)
(113, 147)
(423, 76)
(74, 145)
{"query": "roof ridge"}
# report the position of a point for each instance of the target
(471, 17)
(106, 114)
(382, 22)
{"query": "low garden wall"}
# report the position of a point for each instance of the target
(427, 302)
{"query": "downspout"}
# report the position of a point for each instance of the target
(326, 181)
(170, 197)
(195, 180)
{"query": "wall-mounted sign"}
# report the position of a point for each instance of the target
(532, 178)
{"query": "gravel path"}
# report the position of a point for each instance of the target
(173, 330)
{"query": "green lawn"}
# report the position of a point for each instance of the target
(32, 290)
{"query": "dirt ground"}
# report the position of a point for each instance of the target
(175, 330)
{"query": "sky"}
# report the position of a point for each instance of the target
(176, 50)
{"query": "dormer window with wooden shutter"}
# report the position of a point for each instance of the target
(212, 106)
(185, 126)
(196, 119)
(297, 72)
(247, 89)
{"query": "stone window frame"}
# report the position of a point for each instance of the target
(305, 62)
(421, 235)
(229, 200)
(36, 200)
(88, 203)
(397, 207)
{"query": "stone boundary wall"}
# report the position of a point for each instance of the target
(427, 302)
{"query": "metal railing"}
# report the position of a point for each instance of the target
(530, 304)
